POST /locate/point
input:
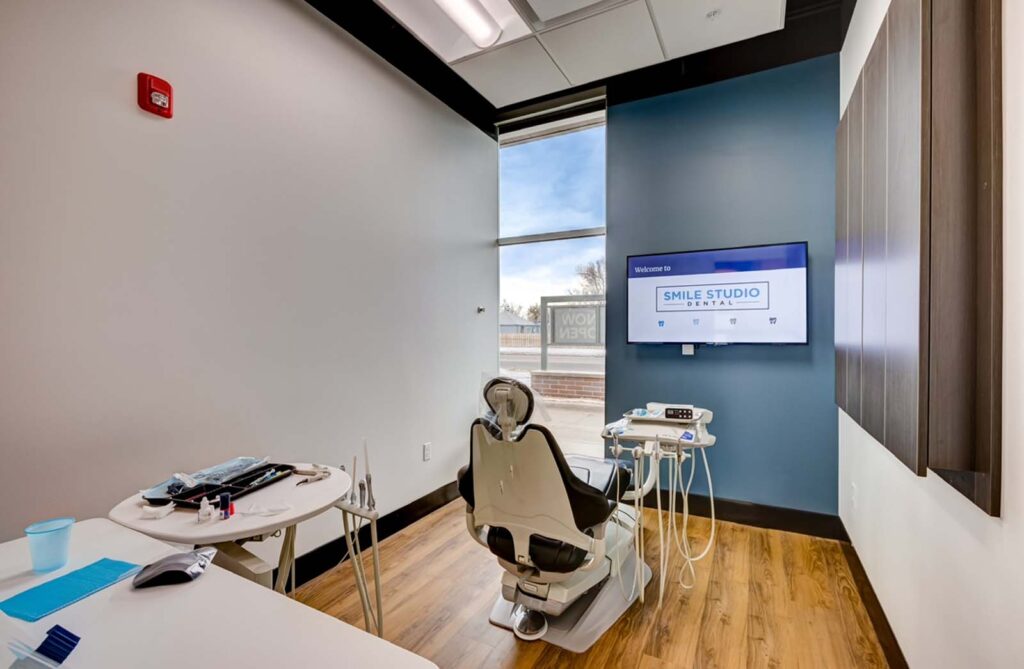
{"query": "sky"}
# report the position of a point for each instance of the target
(549, 185)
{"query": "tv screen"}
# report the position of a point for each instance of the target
(746, 295)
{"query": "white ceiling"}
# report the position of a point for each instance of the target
(612, 42)
(552, 45)
(547, 10)
(517, 71)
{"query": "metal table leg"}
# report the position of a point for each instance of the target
(286, 563)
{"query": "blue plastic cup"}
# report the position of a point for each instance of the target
(48, 543)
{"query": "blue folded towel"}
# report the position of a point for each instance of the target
(42, 600)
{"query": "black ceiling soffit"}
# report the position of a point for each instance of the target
(374, 27)
(813, 28)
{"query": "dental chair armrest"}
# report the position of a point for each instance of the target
(596, 555)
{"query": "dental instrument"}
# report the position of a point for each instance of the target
(353, 513)
(314, 473)
(371, 503)
(352, 494)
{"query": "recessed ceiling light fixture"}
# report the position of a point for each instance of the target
(473, 19)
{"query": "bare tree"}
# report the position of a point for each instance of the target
(510, 308)
(592, 279)
(533, 313)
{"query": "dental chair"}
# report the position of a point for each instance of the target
(553, 522)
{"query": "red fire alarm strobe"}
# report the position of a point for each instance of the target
(156, 95)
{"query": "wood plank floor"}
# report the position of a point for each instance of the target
(763, 598)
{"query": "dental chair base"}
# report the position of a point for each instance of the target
(584, 621)
(573, 614)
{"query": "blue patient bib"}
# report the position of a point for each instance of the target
(46, 598)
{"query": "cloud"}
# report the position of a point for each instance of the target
(550, 185)
(529, 271)
(553, 184)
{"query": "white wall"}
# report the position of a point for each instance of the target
(291, 263)
(948, 576)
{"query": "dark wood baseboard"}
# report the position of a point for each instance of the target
(815, 524)
(886, 637)
(320, 560)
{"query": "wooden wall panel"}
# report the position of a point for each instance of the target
(988, 373)
(966, 309)
(841, 289)
(952, 273)
(906, 236)
(875, 77)
(919, 265)
(854, 250)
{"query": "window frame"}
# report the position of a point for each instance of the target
(547, 131)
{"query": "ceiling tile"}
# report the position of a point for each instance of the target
(552, 9)
(697, 25)
(512, 73)
(431, 25)
(609, 43)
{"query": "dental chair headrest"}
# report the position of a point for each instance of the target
(510, 401)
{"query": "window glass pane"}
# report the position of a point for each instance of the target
(532, 271)
(568, 276)
(553, 184)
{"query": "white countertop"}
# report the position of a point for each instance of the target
(181, 526)
(219, 620)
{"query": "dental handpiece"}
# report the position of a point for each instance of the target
(352, 495)
(362, 494)
(371, 503)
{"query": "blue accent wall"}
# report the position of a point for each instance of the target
(746, 161)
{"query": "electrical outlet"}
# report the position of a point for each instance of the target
(426, 451)
(853, 494)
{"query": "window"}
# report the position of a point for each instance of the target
(552, 282)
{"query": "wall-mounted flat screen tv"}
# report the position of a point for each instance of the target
(745, 295)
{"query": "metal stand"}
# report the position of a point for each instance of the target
(374, 619)
(286, 563)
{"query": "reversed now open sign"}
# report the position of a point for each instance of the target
(576, 325)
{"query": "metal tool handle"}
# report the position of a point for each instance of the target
(352, 494)
(371, 503)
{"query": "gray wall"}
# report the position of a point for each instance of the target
(291, 263)
(744, 161)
